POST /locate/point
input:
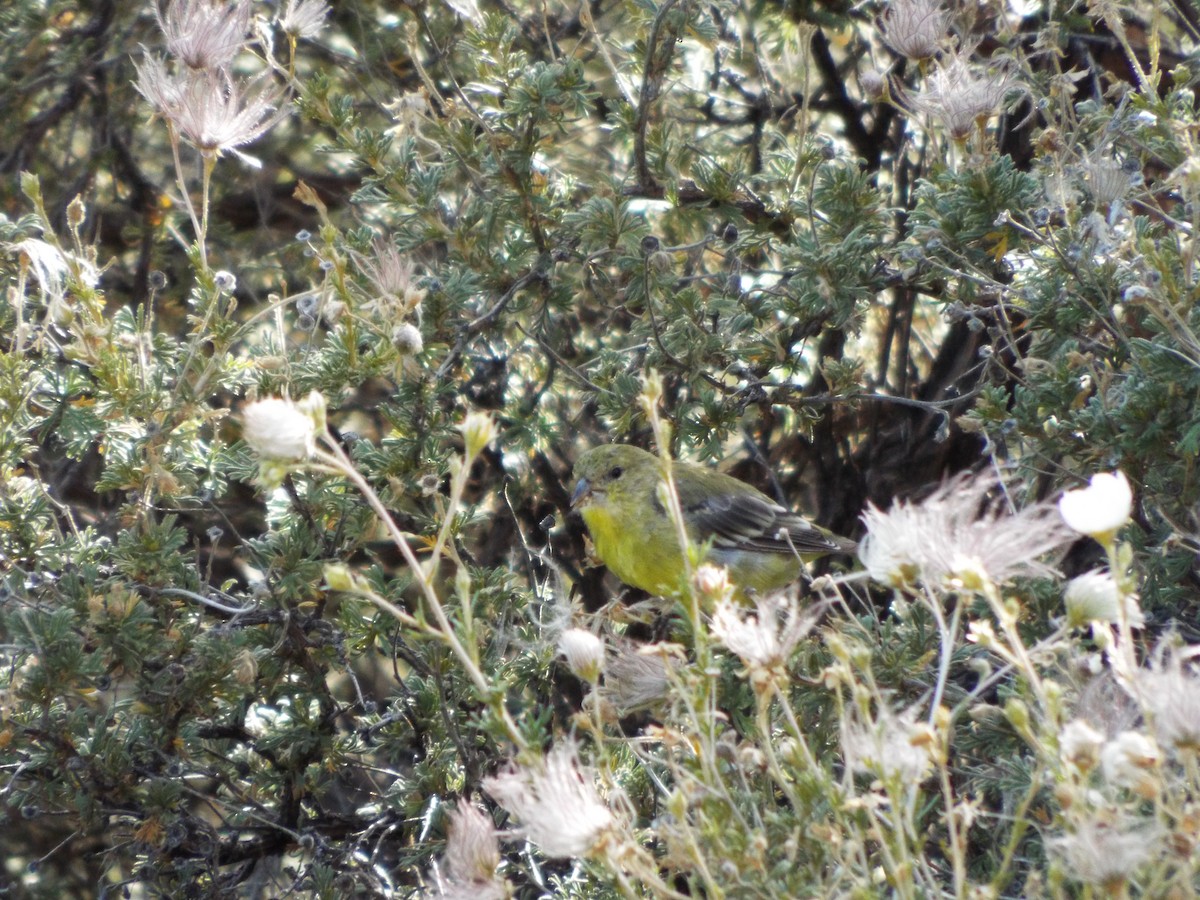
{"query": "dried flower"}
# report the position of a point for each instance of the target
(584, 653)
(471, 859)
(408, 110)
(875, 85)
(915, 28)
(303, 18)
(281, 429)
(1107, 180)
(245, 668)
(962, 96)
(1095, 597)
(1079, 744)
(53, 269)
(890, 747)
(429, 484)
(391, 276)
(1170, 694)
(635, 679)
(212, 112)
(557, 803)
(205, 34)
(957, 534)
(1104, 854)
(1099, 509)
(762, 641)
(1128, 761)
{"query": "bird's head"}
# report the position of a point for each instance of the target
(603, 469)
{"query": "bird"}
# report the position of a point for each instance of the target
(762, 545)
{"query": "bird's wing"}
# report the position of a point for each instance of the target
(748, 520)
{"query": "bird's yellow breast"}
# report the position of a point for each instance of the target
(638, 553)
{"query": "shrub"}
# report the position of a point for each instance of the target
(310, 309)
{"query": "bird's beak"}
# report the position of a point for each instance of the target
(583, 490)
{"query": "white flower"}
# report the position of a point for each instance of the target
(584, 653)
(958, 534)
(1105, 855)
(48, 264)
(1128, 760)
(281, 429)
(1095, 597)
(1099, 509)
(556, 803)
(468, 9)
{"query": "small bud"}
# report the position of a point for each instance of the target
(281, 429)
(314, 406)
(338, 577)
(1095, 597)
(874, 85)
(406, 338)
(478, 430)
(245, 669)
(713, 583)
(584, 653)
(462, 584)
(429, 484)
(1017, 714)
(659, 261)
(652, 389)
(76, 212)
(226, 282)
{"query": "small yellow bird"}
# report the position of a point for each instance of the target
(760, 543)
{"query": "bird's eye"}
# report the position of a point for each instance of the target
(615, 472)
